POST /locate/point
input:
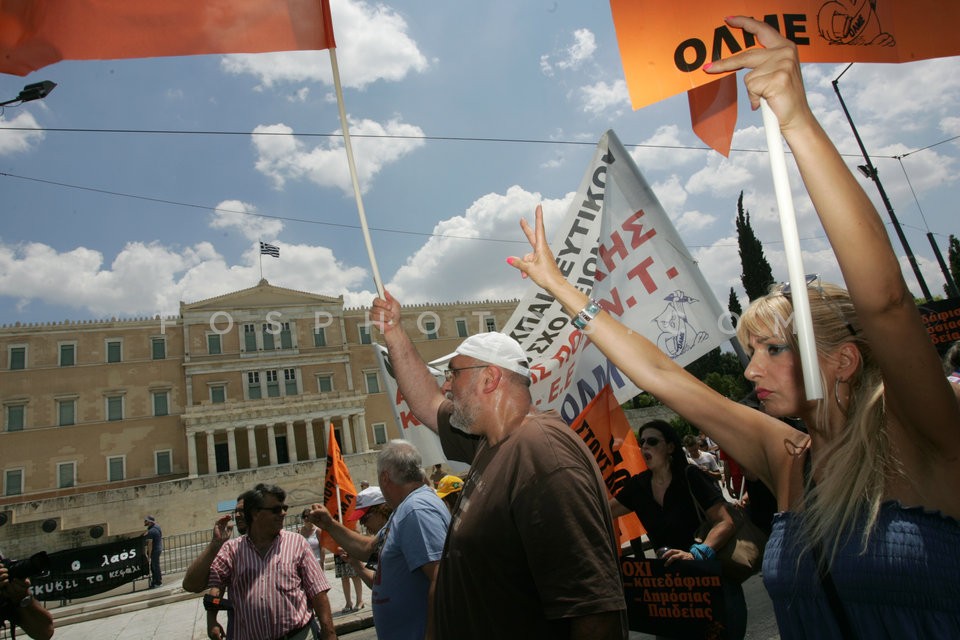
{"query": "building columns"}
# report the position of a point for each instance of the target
(272, 444)
(192, 454)
(311, 441)
(291, 443)
(346, 433)
(211, 454)
(232, 448)
(363, 444)
(252, 446)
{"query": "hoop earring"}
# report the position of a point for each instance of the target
(836, 394)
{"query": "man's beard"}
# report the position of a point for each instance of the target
(463, 417)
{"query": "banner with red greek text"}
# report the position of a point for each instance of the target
(618, 245)
(420, 435)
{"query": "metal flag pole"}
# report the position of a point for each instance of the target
(353, 172)
(802, 321)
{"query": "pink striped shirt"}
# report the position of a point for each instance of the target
(271, 595)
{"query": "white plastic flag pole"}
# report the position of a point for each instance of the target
(791, 244)
(344, 126)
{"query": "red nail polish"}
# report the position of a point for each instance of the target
(707, 66)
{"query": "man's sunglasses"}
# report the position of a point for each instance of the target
(277, 510)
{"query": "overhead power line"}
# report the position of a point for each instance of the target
(200, 132)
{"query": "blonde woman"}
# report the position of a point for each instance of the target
(867, 542)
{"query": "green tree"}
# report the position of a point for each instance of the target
(733, 306)
(953, 260)
(757, 276)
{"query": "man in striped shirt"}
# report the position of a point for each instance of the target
(271, 575)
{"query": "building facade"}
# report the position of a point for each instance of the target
(244, 381)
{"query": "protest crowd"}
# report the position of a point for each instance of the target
(528, 542)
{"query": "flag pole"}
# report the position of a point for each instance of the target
(353, 171)
(802, 321)
(260, 253)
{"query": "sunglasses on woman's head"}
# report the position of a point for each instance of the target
(813, 281)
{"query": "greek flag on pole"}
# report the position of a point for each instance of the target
(269, 249)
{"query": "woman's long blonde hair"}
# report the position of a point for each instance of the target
(857, 459)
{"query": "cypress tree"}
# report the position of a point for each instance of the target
(953, 260)
(757, 276)
(733, 306)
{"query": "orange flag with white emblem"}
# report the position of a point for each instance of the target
(339, 492)
(36, 33)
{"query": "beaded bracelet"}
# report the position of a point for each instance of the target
(588, 313)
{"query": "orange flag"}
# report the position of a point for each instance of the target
(35, 33)
(664, 45)
(607, 433)
(339, 492)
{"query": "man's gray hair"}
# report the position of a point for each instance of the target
(401, 461)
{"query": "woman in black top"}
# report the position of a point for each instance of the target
(662, 497)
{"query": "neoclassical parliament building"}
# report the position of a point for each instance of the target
(106, 421)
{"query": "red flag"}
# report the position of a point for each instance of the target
(664, 45)
(35, 33)
(607, 433)
(339, 492)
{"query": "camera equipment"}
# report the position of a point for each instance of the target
(36, 566)
(216, 603)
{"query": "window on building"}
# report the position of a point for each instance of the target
(68, 355)
(325, 382)
(66, 412)
(114, 348)
(18, 357)
(116, 468)
(158, 347)
(380, 433)
(373, 381)
(164, 462)
(286, 337)
(16, 416)
(364, 334)
(268, 337)
(13, 482)
(213, 344)
(430, 327)
(66, 474)
(161, 403)
(115, 408)
(290, 382)
(490, 323)
(218, 393)
(249, 337)
(253, 385)
(273, 384)
(320, 337)
(462, 328)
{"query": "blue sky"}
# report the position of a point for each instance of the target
(108, 223)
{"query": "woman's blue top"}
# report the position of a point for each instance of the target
(906, 585)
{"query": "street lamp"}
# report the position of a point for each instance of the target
(34, 91)
(870, 171)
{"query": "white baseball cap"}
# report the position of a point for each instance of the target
(493, 347)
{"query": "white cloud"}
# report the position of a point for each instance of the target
(450, 269)
(600, 96)
(372, 45)
(19, 141)
(147, 279)
(583, 47)
(241, 216)
(284, 157)
(665, 150)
